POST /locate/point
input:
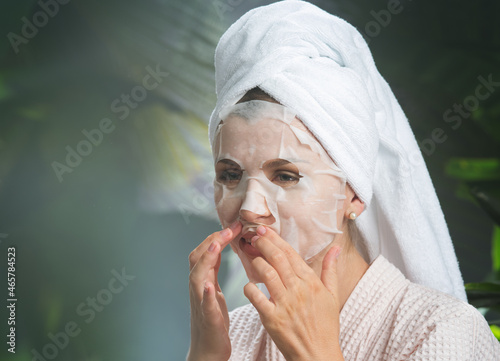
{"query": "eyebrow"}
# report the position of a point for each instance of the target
(277, 163)
(280, 162)
(228, 161)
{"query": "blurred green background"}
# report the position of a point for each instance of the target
(139, 200)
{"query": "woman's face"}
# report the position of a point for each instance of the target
(272, 171)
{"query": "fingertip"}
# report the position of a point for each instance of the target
(254, 239)
(235, 227)
(226, 233)
(206, 288)
(332, 255)
(248, 288)
(337, 252)
(250, 292)
(208, 292)
(258, 299)
(207, 302)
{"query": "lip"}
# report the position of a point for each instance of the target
(249, 250)
(247, 236)
(248, 231)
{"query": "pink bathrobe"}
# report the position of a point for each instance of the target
(386, 317)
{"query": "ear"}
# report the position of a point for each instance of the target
(353, 203)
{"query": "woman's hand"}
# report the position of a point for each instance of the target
(209, 316)
(302, 315)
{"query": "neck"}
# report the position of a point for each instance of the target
(351, 266)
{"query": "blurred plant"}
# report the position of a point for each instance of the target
(480, 183)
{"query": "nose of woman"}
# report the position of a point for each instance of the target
(254, 208)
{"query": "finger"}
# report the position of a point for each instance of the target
(204, 271)
(329, 269)
(216, 272)
(296, 262)
(277, 259)
(209, 305)
(235, 229)
(231, 233)
(258, 300)
(223, 237)
(270, 277)
(222, 306)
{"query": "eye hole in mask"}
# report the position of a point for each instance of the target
(228, 172)
(282, 172)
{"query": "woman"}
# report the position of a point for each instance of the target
(325, 197)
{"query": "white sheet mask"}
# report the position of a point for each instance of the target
(270, 170)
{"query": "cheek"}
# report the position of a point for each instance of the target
(322, 206)
(228, 208)
(303, 213)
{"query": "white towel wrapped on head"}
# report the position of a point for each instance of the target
(319, 66)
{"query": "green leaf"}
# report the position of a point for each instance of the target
(484, 294)
(496, 331)
(495, 249)
(474, 169)
(483, 287)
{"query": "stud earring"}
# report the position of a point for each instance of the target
(352, 215)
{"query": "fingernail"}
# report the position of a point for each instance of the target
(225, 233)
(212, 247)
(337, 252)
(205, 288)
(253, 239)
(261, 230)
(234, 225)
